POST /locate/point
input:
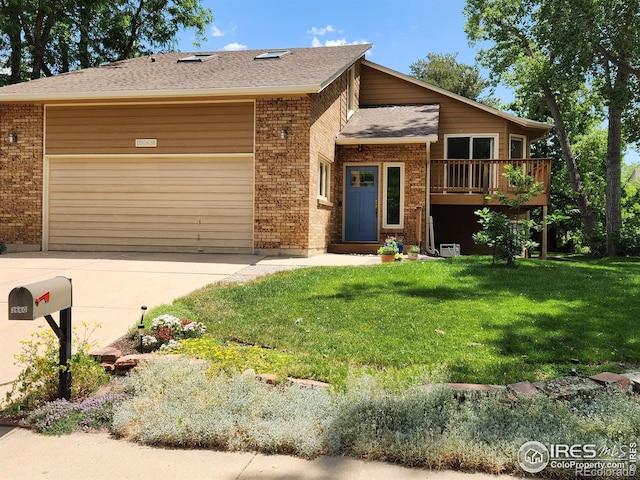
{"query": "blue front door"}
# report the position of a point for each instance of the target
(361, 204)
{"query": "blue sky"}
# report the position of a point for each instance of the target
(401, 31)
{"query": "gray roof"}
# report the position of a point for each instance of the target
(302, 70)
(404, 124)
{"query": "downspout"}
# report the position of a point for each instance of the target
(430, 248)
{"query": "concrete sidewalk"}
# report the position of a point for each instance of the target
(97, 456)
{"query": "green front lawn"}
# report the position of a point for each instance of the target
(460, 319)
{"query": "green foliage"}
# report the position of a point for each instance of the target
(554, 50)
(509, 238)
(62, 35)
(232, 357)
(475, 324)
(444, 71)
(3, 248)
(390, 246)
(38, 381)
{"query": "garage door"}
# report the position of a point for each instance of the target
(176, 204)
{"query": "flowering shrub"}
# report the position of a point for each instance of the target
(63, 417)
(38, 381)
(166, 332)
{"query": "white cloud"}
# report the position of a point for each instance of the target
(234, 46)
(321, 30)
(216, 32)
(335, 43)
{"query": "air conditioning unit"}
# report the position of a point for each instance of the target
(449, 249)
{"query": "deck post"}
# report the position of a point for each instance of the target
(545, 232)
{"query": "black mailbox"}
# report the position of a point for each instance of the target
(40, 299)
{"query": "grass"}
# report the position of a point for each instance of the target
(461, 317)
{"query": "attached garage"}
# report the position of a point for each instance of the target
(150, 204)
(156, 178)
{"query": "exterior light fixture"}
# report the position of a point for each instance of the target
(141, 326)
(284, 133)
(13, 137)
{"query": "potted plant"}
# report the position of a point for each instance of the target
(414, 251)
(388, 252)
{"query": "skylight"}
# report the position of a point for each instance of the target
(198, 57)
(273, 54)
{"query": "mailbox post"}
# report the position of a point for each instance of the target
(41, 299)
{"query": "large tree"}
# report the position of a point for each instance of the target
(444, 71)
(54, 36)
(563, 45)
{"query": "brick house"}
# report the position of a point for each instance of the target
(283, 152)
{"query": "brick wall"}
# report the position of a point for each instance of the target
(289, 218)
(414, 158)
(281, 216)
(329, 115)
(21, 176)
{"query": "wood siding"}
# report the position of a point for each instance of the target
(456, 117)
(178, 128)
(176, 204)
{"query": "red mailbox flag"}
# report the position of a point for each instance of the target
(44, 297)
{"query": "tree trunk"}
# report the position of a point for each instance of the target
(613, 203)
(84, 26)
(586, 212)
(12, 13)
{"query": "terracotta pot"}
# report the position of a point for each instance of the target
(388, 258)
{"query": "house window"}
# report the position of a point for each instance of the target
(362, 179)
(351, 91)
(276, 54)
(470, 176)
(324, 171)
(516, 146)
(393, 195)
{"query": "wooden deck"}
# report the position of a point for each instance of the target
(476, 182)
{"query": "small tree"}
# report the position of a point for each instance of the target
(508, 238)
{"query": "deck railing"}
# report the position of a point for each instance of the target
(484, 176)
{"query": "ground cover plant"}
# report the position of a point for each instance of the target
(176, 402)
(469, 320)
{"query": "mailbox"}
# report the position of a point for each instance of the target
(40, 299)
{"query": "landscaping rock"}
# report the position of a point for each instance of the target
(106, 355)
(565, 388)
(126, 363)
(475, 387)
(269, 378)
(609, 379)
(526, 389)
(634, 377)
(307, 383)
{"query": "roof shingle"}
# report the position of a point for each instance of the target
(407, 123)
(304, 70)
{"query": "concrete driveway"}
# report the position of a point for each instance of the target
(110, 288)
